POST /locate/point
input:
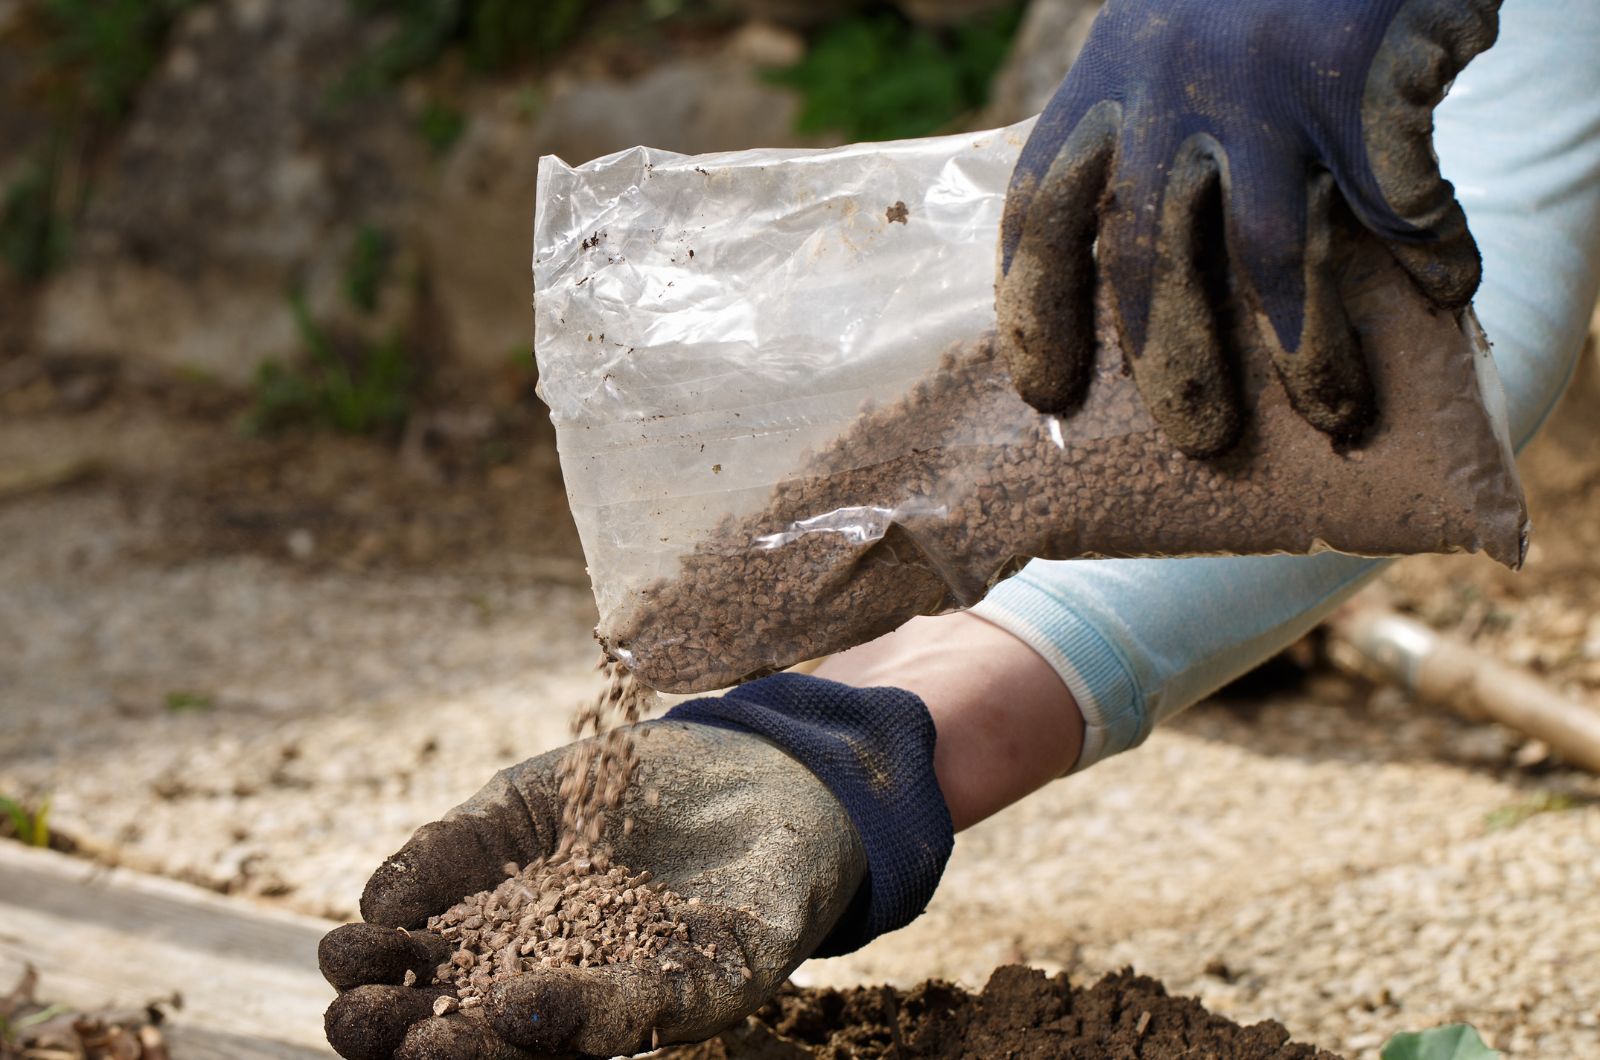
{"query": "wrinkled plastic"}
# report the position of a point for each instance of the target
(784, 431)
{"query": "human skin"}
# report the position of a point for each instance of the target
(1006, 723)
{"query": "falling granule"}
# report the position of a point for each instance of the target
(576, 908)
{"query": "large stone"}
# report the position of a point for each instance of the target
(236, 179)
(477, 232)
(1052, 34)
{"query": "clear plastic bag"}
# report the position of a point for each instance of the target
(785, 431)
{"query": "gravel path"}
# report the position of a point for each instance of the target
(1333, 858)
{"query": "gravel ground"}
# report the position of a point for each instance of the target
(1331, 856)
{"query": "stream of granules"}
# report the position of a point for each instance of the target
(575, 908)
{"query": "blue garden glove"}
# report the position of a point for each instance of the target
(803, 813)
(1187, 123)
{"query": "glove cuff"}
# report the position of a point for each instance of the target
(873, 749)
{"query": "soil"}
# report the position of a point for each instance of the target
(1021, 1013)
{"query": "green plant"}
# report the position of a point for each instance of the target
(33, 229)
(181, 702)
(491, 34)
(1458, 1041)
(102, 50)
(1514, 814)
(97, 54)
(367, 267)
(440, 125)
(24, 824)
(365, 393)
(876, 76)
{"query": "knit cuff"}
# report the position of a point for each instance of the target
(873, 748)
(1114, 714)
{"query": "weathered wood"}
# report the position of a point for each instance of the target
(115, 938)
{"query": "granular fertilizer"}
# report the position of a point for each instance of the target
(574, 908)
(924, 504)
(578, 911)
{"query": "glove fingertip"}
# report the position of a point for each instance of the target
(443, 861)
(603, 1012)
(359, 954)
(453, 1038)
(1448, 272)
(370, 1022)
(539, 1013)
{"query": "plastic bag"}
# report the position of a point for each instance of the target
(785, 431)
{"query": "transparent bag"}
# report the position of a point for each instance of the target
(785, 430)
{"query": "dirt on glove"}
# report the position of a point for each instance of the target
(1021, 1014)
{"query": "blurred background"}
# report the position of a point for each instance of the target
(286, 567)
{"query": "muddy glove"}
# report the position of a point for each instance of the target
(1187, 120)
(803, 813)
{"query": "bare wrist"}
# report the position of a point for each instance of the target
(1006, 723)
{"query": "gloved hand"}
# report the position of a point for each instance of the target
(803, 813)
(1186, 119)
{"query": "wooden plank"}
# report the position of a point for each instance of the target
(115, 938)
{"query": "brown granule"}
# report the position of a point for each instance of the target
(574, 911)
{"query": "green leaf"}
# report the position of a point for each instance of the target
(21, 822)
(31, 827)
(1458, 1041)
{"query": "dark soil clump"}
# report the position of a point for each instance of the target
(1021, 1014)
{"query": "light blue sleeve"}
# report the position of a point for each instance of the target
(1136, 641)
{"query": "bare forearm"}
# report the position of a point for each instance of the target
(1006, 723)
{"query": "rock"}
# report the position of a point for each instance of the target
(476, 231)
(1052, 35)
(235, 179)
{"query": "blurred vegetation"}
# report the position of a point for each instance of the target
(877, 76)
(100, 51)
(33, 229)
(868, 75)
(440, 125)
(1518, 812)
(367, 267)
(353, 388)
(180, 702)
(24, 823)
(366, 390)
(491, 34)
(95, 56)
